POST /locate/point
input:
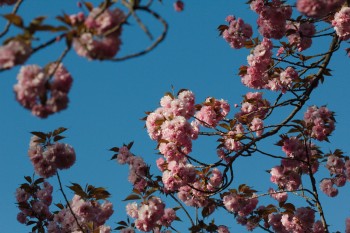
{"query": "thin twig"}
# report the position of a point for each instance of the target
(67, 202)
(8, 24)
(186, 212)
(156, 42)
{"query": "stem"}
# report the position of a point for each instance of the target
(67, 202)
(59, 60)
(156, 42)
(314, 188)
(186, 212)
(49, 42)
(8, 24)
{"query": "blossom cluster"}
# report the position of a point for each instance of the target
(101, 37)
(194, 194)
(300, 34)
(15, 52)
(47, 159)
(320, 122)
(300, 159)
(281, 197)
(237, 32)
(318, 8)
(272, 17)
(231, 141)
(302, 220)
(259, 74)
(34, 202)
(90, 214)
(340, 172)
(170, 127)
(212, 111)
(341, 23)
(39, 93)
(253, 110)
(240, 204)
(151, 214)
(259, 62)
(137, 168)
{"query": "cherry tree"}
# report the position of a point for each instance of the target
(282, 72)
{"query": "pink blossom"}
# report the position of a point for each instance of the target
(34, 90)
(257, 126)
(326, 186)
(240, 204)
(124, 155)
(149, 213)
(13, 53)
(301, 34)
(101, 41)
(127, 230)
(223, 229)
(318, 227)
(274, 221)
(318, 8)
(132, 209)
(347, 225)
(47, 160)
(237, 32)
(22, 218)
(179, 6)
(320, 122)
(168, 217)
(212, 112)
(272, 17)
(278, 196)
(285, 178)
(259, 61)
(253, 106)
(341, 23)
(22, 195)
(302, 220)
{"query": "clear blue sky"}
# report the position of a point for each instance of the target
(108, 100)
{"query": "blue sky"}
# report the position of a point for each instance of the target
(108, 100)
